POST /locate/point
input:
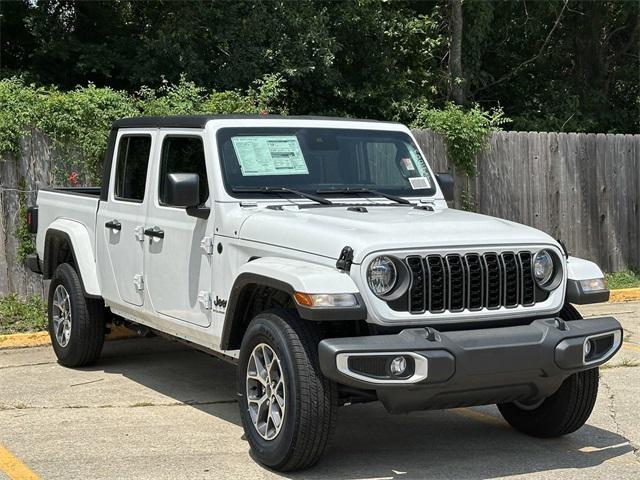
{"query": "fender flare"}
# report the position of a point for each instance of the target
(78, 238)
(291, 276)
(580, 269)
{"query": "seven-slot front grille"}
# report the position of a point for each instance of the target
(456, 282)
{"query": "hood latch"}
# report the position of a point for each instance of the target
(345, 260)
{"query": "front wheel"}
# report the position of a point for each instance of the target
(287, 406)
(562, 413)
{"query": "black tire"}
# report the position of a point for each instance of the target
(311, 399)
(563, 412)
(87, 321)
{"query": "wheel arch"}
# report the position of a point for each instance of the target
(67, 241)
(278, 279)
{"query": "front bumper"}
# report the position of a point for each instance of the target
(475, 367)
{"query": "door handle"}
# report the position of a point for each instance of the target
(154, 232)
(113, 225)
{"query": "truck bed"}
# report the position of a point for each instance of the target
(84, 191)
(67, 204)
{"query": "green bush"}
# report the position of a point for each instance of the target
(79, 120)
(466, 132)
(22, 314)
(26, 243)
(624, 279)
(19, 107)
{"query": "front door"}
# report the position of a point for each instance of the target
(120, 220)
(178, 255)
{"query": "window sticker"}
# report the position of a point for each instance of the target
(269, 155)
(408, 164)
(419, 163)
(418, 183)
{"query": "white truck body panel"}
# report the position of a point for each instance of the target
(580, 269)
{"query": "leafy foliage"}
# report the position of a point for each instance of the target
(18, 109)
(22, 314)
(26, 244)
(558, 65)
(81, 118)
(624, 279)
(466, 132)
(561, 65)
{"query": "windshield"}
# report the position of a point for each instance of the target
(318, 160)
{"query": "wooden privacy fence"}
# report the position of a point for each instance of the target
(580, 188)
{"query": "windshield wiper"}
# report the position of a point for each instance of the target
(309, 196)
(388, 196)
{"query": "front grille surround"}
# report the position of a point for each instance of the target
(457, 282)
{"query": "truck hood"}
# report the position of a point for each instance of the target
(326, 230)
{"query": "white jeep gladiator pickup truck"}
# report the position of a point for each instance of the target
(319, 256)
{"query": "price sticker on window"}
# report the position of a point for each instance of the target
(269, 155)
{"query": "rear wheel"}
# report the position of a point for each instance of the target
(287, 406)
(563, 412)
(76, 323)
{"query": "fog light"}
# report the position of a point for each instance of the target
(398, 366)
(587, 348)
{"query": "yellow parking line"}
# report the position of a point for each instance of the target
(630, 346)
(14, 468)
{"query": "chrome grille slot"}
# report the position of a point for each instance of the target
(455, 282)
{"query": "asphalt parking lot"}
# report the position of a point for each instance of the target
(154, 409)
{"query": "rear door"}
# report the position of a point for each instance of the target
(178, 264)
(120, 220)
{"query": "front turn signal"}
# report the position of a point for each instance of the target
(325, 300)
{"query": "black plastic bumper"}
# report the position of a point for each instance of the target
(475, 367)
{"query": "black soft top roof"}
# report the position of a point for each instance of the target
(199, 121)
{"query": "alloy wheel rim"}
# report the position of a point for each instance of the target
(61, 315)
(266, 392)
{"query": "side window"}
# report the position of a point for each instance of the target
(131, 167)
(183, 155)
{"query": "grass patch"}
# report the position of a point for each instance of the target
(19, 315)
(625, 279)
(627, 362)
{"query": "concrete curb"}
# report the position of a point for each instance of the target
(38, 339)
(624, 295)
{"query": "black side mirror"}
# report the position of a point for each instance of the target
(183, 190)
(445, 180)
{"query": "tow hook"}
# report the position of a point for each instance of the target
(431, 335)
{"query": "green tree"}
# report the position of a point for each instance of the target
(552, 65)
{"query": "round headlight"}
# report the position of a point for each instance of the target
(543, 267)
(382, 275)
